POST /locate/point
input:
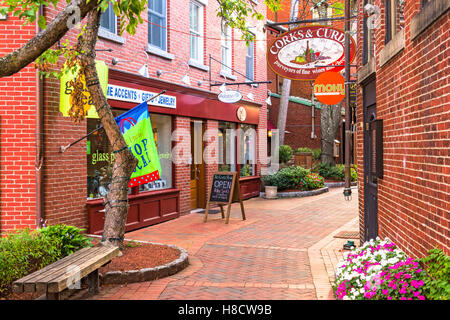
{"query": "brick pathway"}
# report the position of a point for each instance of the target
(284, 250)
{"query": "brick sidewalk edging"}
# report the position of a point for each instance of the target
(148, 274)
(297, 194)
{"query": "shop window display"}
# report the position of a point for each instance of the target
(100, 158)
(247, 154)
(227, 147)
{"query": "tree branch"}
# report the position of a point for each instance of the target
(20, 58)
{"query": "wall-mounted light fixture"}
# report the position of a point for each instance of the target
(268, 101)
(185, 79)
(143, 71)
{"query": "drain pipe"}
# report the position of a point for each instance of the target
(313, 117)
(40, 216)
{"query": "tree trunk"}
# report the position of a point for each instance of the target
(56, 29)
(286, 89)
(116, 201)
(330, 117)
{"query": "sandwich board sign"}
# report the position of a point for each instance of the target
(225, 190)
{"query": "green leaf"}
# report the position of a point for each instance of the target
(42, 22)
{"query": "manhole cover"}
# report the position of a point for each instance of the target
(348, 235)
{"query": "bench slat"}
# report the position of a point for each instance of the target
(86, 268)
(18, 285)
(41, 283)
(31, 284)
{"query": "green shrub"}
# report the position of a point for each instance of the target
(24, 252)
(316, 153)
(286, 178)
(303, 149)
(311, 181)
(437, 283)
(285, 153)
(336, 172)
(70, 238)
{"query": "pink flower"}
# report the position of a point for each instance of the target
(385, 292)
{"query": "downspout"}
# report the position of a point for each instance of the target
(40, 216)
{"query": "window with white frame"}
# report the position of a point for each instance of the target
(226, 49)
(108, 21)
(157, 24)
(196, 31)
(249, 62)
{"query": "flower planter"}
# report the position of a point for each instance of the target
(271, 192)
(303, 159)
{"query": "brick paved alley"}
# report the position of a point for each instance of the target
(284, 250)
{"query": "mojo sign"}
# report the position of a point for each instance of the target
(302, 53)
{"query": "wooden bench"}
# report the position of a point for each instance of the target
(66, 272)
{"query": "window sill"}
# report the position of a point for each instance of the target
(107, 35)
(367, 70)
(393, 47)
(198, 65)
(227, 75)
(427, 16)
(158, 52)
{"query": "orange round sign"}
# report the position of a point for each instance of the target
(329, 88)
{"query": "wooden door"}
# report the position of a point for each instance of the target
(197, 166)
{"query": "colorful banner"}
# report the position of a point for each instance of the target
(137, 130)
(66, 90)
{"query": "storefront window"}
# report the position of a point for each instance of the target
(227, 146)
(100, 158)
(162, 131)
(247, 154)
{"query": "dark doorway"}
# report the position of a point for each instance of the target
(370, 179)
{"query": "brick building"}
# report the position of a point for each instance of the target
(175, 42)
(403, 123)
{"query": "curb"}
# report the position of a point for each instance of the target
(338, 184)
(298, 194)
(147, 274)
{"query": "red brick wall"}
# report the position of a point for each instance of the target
(181, 168)
(413, 196)
(18, 109)
(298, 123)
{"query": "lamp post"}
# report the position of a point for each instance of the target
(347, 189)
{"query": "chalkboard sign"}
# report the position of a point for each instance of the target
(221, 188)
(224, 190)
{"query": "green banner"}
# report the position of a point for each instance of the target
(137, 130)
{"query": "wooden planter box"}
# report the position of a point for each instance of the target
(303, 159)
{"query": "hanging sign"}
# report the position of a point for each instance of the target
(301, 53)
(230, 96)
(137, 131)
(65, 100)
(329, 88)
(137, 96)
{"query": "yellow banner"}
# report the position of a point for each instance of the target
(66, 90)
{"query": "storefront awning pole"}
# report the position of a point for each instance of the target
(64, 148)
